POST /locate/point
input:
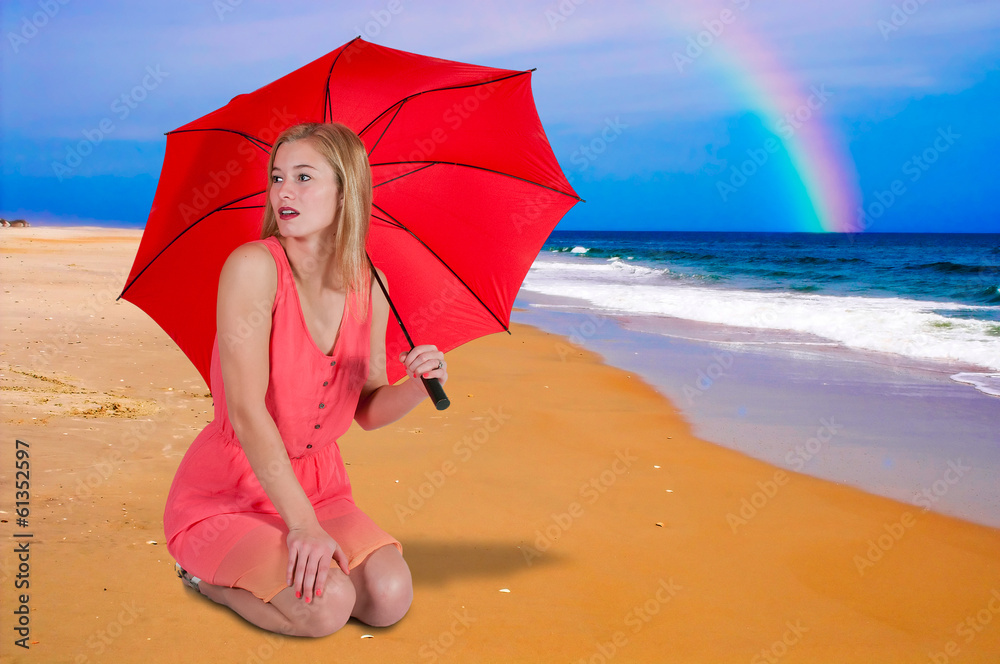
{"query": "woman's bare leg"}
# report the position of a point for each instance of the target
(285, 614)
(383, 587)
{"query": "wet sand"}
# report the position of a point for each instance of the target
(573, 485)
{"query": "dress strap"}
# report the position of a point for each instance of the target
(280, 264)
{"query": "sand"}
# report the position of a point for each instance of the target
(560, 510)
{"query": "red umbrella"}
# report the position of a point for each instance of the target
(467, 189)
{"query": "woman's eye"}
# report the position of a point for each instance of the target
(275, 178)
(303, 177)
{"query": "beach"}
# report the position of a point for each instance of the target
(560, 510)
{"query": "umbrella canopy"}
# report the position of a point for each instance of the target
(466, 190)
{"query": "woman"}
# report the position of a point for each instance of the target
(260, 515)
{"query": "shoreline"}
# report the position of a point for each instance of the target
(836, 413)
(572, 484)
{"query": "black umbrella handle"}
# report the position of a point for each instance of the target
(436, 392)
(433, 386)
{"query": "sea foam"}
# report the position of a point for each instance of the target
(894, 325)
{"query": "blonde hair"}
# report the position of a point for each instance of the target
(346, 154)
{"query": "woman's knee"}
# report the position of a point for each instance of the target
(326, 613)
(391, 592)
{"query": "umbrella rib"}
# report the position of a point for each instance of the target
(221, 208)
(262, 145)
(403, 175)
(399, 107)
(328, 102)
(481, 168)
(407, 98)
(398, 224)
(390, 222)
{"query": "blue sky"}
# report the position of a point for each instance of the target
(678, 116)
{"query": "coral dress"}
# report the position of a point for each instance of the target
(219, 523)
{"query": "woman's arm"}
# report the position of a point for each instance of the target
(380, 402)
(247, 284)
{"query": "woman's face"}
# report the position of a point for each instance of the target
(304, 193)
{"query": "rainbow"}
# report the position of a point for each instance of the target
(820, 161)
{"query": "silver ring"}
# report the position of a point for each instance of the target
(440, 364)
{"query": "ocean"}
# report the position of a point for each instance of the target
(925, 296)
(870, 360)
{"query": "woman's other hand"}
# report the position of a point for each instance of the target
(310, 550)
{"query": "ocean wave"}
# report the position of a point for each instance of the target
(947, 267)
(894, 325)
(988, 295)
(819, 260)
(617, 263)
(644, 253)
(985, 383)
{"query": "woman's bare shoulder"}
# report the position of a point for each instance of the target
(250, 267)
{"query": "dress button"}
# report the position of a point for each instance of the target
(308, 447)
(325, 383)
(316, 427)
(333, 363)
(322, 405)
